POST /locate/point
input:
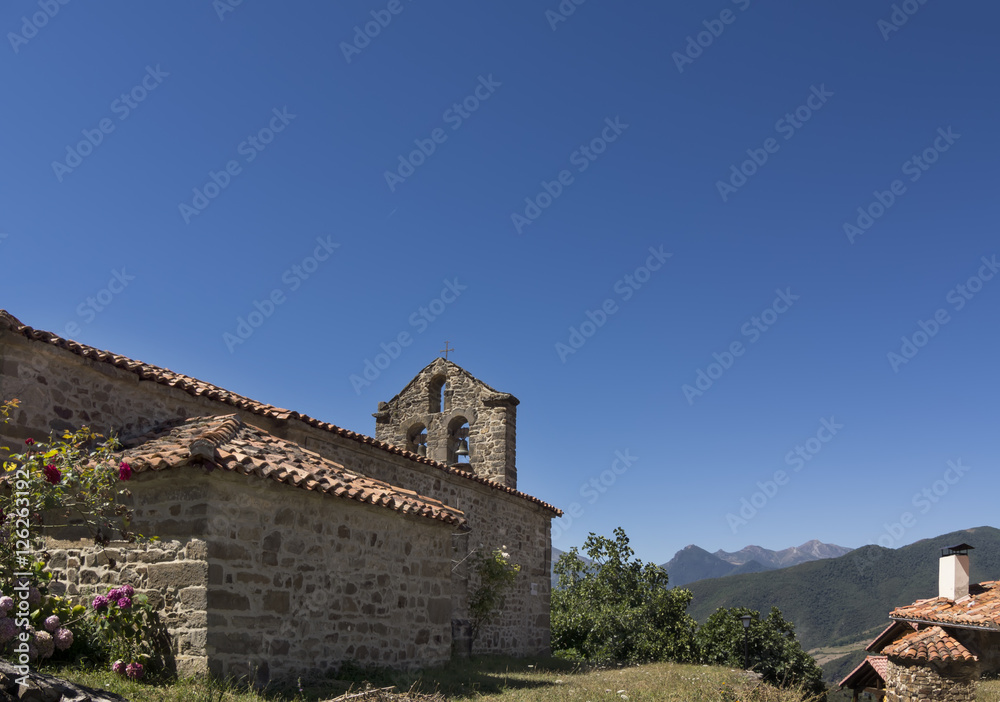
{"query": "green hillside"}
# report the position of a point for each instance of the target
(842, 600)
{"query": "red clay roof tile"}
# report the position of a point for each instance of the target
(980, 610)
(933, 644)
(226, 443)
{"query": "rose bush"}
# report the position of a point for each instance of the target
(74, 480)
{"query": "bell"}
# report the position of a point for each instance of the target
(463, 448)
(422, 450)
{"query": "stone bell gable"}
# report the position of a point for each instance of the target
(448, 415)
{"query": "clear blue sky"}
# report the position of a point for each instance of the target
(633, 127)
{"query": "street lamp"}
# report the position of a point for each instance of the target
(746, 628)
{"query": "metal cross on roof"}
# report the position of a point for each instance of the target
(446, 350)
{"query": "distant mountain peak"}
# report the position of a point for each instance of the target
(695, 563)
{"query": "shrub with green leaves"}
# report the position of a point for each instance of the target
(772, 648)
(618, 609)
(497, 574)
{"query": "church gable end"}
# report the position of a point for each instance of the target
(448, 415)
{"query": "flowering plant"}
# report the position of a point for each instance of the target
(497, 574)
(74, 480)
(127, 624)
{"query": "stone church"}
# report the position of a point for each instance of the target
(289, 545)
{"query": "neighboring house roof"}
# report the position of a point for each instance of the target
(890, 634)
(870, 672)
(980, 610)
(199, 388)
(227, 443)
(932, 644)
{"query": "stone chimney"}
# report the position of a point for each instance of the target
(953, 572)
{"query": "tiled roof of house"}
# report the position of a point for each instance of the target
(981, 609)
(933, 644)
(199, 388)
(229, 444)
(892, 632)
(871, 670)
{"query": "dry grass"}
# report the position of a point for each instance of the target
(988, 691)
(484, 680)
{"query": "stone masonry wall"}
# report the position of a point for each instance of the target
(172, 573)
(59, 390)
(492, 418)
(284, 582)
(310, 581)
(907, 681)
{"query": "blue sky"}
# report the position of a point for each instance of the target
(593, 203)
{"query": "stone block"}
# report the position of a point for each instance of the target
(177, 575)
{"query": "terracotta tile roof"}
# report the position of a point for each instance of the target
(199, 388)
(980, 610)
(871, 670)
(892, 632)
(228, 444)
(933, 644)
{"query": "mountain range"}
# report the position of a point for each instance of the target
(693, 563)
(846, 601)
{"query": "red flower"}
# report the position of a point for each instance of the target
(124, 471)
(29, 442)
(52, 474)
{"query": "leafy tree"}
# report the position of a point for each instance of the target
(618, 609)
(773, 649)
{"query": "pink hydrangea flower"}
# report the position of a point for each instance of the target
(124, 471)
(52, 623)
(118, 667)
(29, 442)
(134, 670)
(100, 602)
(124, 602)
(6, 604)
(8, 630)
(64, 639)
(127, 590)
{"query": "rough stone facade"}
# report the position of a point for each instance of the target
(908, 681)
(445, 405)
(63, 386)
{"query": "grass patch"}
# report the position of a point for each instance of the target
(493, 679)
